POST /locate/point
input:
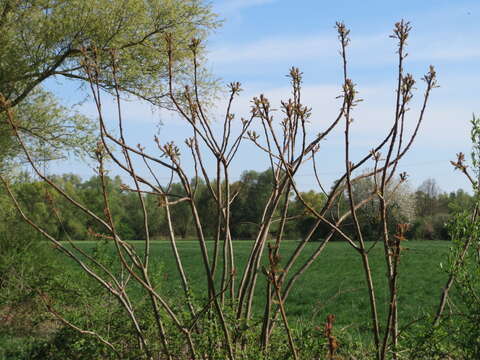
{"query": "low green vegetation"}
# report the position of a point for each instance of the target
(333, 285)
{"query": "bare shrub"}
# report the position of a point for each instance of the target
(222, 321)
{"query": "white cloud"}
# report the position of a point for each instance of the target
(364, 50)
(450, 48)
(444, 130)
(294, 49)
(446, 123)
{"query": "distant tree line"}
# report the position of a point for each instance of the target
(426, 210)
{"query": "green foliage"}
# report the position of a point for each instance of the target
(434, 209)
(43, 38)
(475, 154)
(431, 227)
(458, 334)
(303, 219)
(49, 130)
(255, 189)
(25, 266)
(62, 219)
(68, 343)
(467, 284)
(19, 248)
(400, 207)
(66, 221)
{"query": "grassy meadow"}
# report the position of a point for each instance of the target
(334, 284)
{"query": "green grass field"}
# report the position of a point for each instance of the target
(334, 284)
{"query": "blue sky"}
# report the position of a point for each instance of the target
(261, 39)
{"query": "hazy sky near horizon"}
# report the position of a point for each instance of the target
(261, 39)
